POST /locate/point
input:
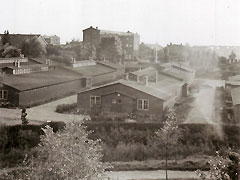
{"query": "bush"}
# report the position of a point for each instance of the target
(61, 108)
(17, 140)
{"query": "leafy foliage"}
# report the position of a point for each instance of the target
(111, 48)
(32, 47)
(66, 154)
(223, 167)
(168, 135)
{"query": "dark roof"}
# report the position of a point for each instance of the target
(161, 90)
(36, 80)
(111, 64)
(93, 70)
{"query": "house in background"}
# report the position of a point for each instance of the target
(98, 72)
(52, 40)
(132, 97)
(27, 89)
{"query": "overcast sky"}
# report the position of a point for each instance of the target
(198, 22)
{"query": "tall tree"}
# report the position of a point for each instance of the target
(168, 135)
(111, 48)
(32, 47)
(5, 38)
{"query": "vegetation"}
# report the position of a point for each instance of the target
(223, 167)
(32, 48)
(61, 108)
(111, 48)
(66, 154)
(168, 135)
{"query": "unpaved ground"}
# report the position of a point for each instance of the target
(203, 108)
(39, 114)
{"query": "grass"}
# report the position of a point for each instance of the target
(187, 164)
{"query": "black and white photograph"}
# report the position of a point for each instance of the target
(119, 90)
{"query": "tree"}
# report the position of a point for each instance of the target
(9, 51)
(32, 47)
(168, 136)
(66, 154)
(111, 48)
(223, 167)
(232, 56)
(5, 38)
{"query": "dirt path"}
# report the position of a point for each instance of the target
(39, 114)
(204, 106)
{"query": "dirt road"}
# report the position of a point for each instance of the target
(39, 114)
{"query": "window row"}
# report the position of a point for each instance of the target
(142, 104)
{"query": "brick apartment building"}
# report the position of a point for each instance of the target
(130, 41)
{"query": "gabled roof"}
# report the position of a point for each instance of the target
(161, 90)
(235, 93)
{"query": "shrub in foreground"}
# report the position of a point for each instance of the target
(66, 154)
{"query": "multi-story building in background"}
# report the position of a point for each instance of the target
(52, 40)
(130, 41)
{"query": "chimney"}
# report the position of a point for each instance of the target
(146, 80)
(140, 68)
(156, 76)
(46, 61)
(138, 79)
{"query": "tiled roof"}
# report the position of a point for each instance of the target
(23, 82)
(235, 93)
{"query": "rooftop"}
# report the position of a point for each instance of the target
(110, 64)
(161, 90)
(146, 71)
(92, 70)
(116, 33)
(40, 79)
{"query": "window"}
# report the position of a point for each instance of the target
(143, 104)
(95, 100)
(3, 94)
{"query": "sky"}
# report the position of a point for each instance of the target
(197, 22)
